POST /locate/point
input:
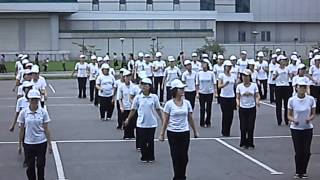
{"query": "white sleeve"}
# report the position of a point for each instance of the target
(135, 103)
(119, 93)
(46, 117)
(18, 105)
(183, 77)
(197, 79)
(167, 108)
(290, 105)
(98, 81)
(76, 66)
(157, 102)
(214, 78)
(21, 119)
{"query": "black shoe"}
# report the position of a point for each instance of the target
(79, 97)
(84, 97)
(24, 164)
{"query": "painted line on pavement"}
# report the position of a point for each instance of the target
(57, 160)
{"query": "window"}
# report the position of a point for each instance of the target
(242, 36)
(95, 5)
(207, 5)
(149, 5)
(176, 24)
(123, 1)
(149, 1)
(242, 6)
(176, 1)
(265, 36)
(122, 5)
(176, 5)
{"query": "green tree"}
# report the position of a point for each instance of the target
(211, 47)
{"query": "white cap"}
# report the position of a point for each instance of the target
(317, 57)
(301, 66)
(295, 53)
(25, 61)
(301, 82)
(278, 50)
(294, 58)
(206, 61)
(82, 56)
(20, 56)
(105, 66)
(147, 55)
(194, 55)
(214, 56)
(158, 54)
(106, 58)
(27, 71)
(147, 81)
(24, 57)
(274, 56)
(220, 56)
(233, 57)
(251, 62)
(142, 74)
(171, 58)
(247, 72)
(34, 94)
(27, 84)
(281, 57)
(227, 63)
(99, 59)
(29, 64)
(243, 52)
(316, 50)
(140, 54)
(93, 57)
(186, 62)
(205, 56)
(260, 54)
(35, 69)
(177, 84)
(126, 73)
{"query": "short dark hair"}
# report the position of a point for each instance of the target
(174, 92)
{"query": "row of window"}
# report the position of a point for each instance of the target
(265, 36)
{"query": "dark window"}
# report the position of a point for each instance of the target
(242, 6)
(176, 1)
(207, 5)
(265, 36)
(123, 1)
(95, 5)
(149, 1)
(242, 36)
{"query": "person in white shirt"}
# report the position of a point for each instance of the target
(147, 105)
(206, 87)
(177, 118)
(21, 75)
(93, 74)
(314, 72)
(34, 135)
(254, 73)
(206, 56)
(262, 76)
(196, 65)
(283, 90)
(147, 66)
(119, 82)
(159, 66)
(111, 70)
(217, 70)
(171, 73)
(82, 73)
(189, 78)
(99, 64)
(301, 76)
(293, 69)
(235, 69)
(18, 65)
(39, 83)
(105, 85)
(243, 61)
(247, 101)
(315, 53)
(272, 83)
(226, 83)
(131, 62)
(301, 113)
(138, 64)
(27, 77)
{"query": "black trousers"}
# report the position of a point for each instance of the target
(179, 146)
(92, 89)
(35, 156)
(263, 84)
(129, 129)
(147, 143)
(218, 93)
(119, 115)
(169, 94)
(190, 96)
(227, 108)
(205, 107)
(302, 142)
(272, 88)
(157, 85)
(106, 105)
(247, 118)
(82, 81)
(96, 98)
(283, 93)
(315, 92)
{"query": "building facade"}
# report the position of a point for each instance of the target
(171, 26)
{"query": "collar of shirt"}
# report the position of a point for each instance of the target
(31, 112)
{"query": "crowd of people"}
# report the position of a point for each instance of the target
(152, 88)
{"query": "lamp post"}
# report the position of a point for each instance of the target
(122, 40)
(254, 34)
(153, 39)
(295, 43)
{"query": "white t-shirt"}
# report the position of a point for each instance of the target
(116, 85)
(123, 94)
(293, 69)
(106, 82)
(272, 67)
(242, 64)
(159, 67)
(131, 65)
(81, 69)
(254, 76)
(196, 66)
(19, 66)
(190, 80)
(93, 71)
(178, 116)
(40, 84)
(315, 73)
(139, 65)
(33, 123)
(248, 100)
(301, 111)
(283, 76)
(297, 79)
(147, 68)
(22, 103)
(206, 81)
(146, 107)
(235, 72)
(135, 90)
(228, 90)
(171, 74)
(262, 74)
(218, 70)
(20, 91)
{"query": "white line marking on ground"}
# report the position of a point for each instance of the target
(268, 104)
(57, 160)
(259, 163)
(52, 89)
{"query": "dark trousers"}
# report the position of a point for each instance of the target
(247, 118)
(92, 89)
(263, 84)
(205, 107)
(129, 129)
(169, 94)
(82, 81)
(147, 143)
(157, 85)
(283, 93)
(302, 142)
(96, 98)
(35, 156)
(218, 94)
(227, 107)
(190, 96)
(119, 115)
(105, 105)
(272, 88)
(315, 92)
(179, 147)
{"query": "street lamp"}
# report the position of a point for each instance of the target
(254, 34)
(153, 39)
(295, 43)
(122, 40)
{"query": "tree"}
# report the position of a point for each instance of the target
(211, 47)
(87, 50)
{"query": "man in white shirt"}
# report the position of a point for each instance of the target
(272, 83)
(196, 64)
(243, 61)
(147, 66)
(159, 66)
(82, 69)
(93, 74)
(138, 64)
(262, 76)
(171, 73)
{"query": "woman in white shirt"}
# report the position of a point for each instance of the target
(218, 69)
(262, 75)
(34, 135)
(82, 73)
(39, 84)
(159, 66)
(251, 67)
(301, 76)
(247, 100)
(189, 78)
(272, 83)
(314, 71)
(177, 117)
(226, 83)
(147, 105)
(170, 73)
(105, 85)
(283, 89)
(116, 86)
(206, 87)
(93, 73)
(148, 66)
(301, 112)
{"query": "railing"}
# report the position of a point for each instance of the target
(38, 1)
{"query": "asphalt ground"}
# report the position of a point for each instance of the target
(89, 149)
